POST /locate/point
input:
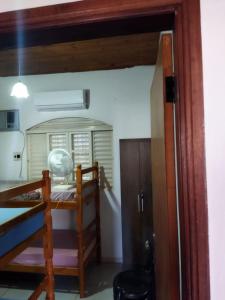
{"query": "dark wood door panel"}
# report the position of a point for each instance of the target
(129, 191)
(136, 200)
(163, 180)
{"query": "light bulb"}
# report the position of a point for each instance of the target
(20, 90)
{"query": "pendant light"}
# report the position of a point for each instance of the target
(19, 89)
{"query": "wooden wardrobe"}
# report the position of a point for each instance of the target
(136, 202)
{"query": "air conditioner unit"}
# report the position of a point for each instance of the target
(61, 100)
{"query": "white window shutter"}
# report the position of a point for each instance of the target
(103, 154)
(81, 150)
(57, 141)
(37, 155)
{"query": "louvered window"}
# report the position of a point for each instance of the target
(37, 155)
(82, 150)
(57, 141)
(102, 152)
(84, 147)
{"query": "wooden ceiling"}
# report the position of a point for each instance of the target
(86, 55)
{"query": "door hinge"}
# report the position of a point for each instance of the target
(170, 82)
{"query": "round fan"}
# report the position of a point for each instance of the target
(60, 163)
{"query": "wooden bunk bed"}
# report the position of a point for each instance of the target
(85, 240)
(19, 227)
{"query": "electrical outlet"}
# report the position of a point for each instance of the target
(17, 156)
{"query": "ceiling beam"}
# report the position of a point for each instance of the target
(89, 55)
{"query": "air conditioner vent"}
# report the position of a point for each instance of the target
(61, 100)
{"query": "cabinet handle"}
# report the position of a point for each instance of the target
(139, 204)
(142, 202)
(147, 244)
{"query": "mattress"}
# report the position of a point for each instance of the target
(69, 193)
(19, 232)
(63, 195)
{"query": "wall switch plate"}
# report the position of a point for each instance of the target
(17, 156)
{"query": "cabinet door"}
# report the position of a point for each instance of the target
(135, 199)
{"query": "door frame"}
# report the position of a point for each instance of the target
(189, 109)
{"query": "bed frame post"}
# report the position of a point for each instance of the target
(97, 210)
(79, 222)
(48, 242)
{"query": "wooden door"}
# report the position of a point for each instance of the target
(136, 204)
(164, 180)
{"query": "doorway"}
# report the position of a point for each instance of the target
(190, 141)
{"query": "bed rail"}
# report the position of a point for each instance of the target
(88, 170)
(9, 193)
(12, 222)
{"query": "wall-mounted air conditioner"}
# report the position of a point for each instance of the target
(61, 100)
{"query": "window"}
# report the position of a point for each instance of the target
(57, 141)
(37, 155)
(102, 152)
(82, 150)
(85, 147)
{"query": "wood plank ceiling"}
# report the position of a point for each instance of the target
(87, 55)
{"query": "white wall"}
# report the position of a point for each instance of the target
(213, 38)
(120, 98)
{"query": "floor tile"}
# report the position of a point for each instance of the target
(17, 294)
(3, 291)
(99, 280)
(106, 294)
(61, 296)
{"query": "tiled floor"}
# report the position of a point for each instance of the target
(17, 294)
(98, 284)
